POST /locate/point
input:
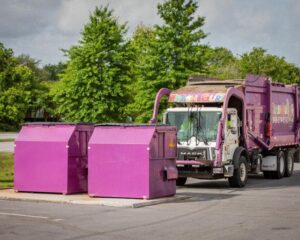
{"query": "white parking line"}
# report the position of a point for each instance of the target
(22, 215)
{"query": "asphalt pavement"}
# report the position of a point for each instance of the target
(265, 209)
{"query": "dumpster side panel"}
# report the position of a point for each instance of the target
(38, 166)
(163, 175)
(118, 170)
(118, 162)
(163, 172)
(132, 161)
(42, 159)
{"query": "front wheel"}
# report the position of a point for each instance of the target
(181, 181)
(240, 175)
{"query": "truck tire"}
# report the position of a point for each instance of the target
(289, 162)
(279, 173)
(240, 175)
(297, 155)
(181, 181)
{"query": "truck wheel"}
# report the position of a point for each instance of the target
(297, 155)
(181, 181)
(289, 163)
(279, 173)
(240, 175)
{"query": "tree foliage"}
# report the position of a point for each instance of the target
(20, 90)
(33, 64)
(93, 87)
(146, 70)
(222, 64)
(166, 55)
(180, 47)
(258, 61)
(54, 70)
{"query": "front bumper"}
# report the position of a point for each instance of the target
(203, 169)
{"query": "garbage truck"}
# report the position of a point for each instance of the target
(231, 128)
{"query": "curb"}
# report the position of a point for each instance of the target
(6, 194)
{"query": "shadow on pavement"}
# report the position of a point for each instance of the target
(209, 184)
(258, 182)
(255, 182)
(198, 196)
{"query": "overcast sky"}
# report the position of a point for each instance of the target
(41, 28)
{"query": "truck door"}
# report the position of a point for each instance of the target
(231, 135)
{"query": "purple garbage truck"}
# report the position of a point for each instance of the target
(230, 128)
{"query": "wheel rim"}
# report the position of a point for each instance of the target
(281, 167)
(243, 171)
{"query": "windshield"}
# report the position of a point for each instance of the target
(202, 125)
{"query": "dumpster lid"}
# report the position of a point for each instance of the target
(55, 123)
(131, 124)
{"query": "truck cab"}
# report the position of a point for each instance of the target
(197, 129)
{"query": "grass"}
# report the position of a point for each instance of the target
(6, 169)
(7, 140)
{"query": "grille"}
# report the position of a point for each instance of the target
(192, 154)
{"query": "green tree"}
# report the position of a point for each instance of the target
(21, 91)
(93, 87)
(54, 70)
(258, 61)
(7, 65)
(33, 64)
(180, 49)
(166, 55)
(146, 70)
(222, 64)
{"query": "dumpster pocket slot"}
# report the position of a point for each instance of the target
(170, 173)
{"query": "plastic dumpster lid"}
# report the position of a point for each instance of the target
(131, 124)
(55, 123)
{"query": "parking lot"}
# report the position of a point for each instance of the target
(265, 209)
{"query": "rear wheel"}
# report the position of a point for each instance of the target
(279, 173)
(240, 175)
(289, 163)
(297, 155)
(181, 181)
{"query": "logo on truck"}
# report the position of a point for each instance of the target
(203, 97)
(284, 112)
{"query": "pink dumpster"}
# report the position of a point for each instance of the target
(132, 161)
(52, 157)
